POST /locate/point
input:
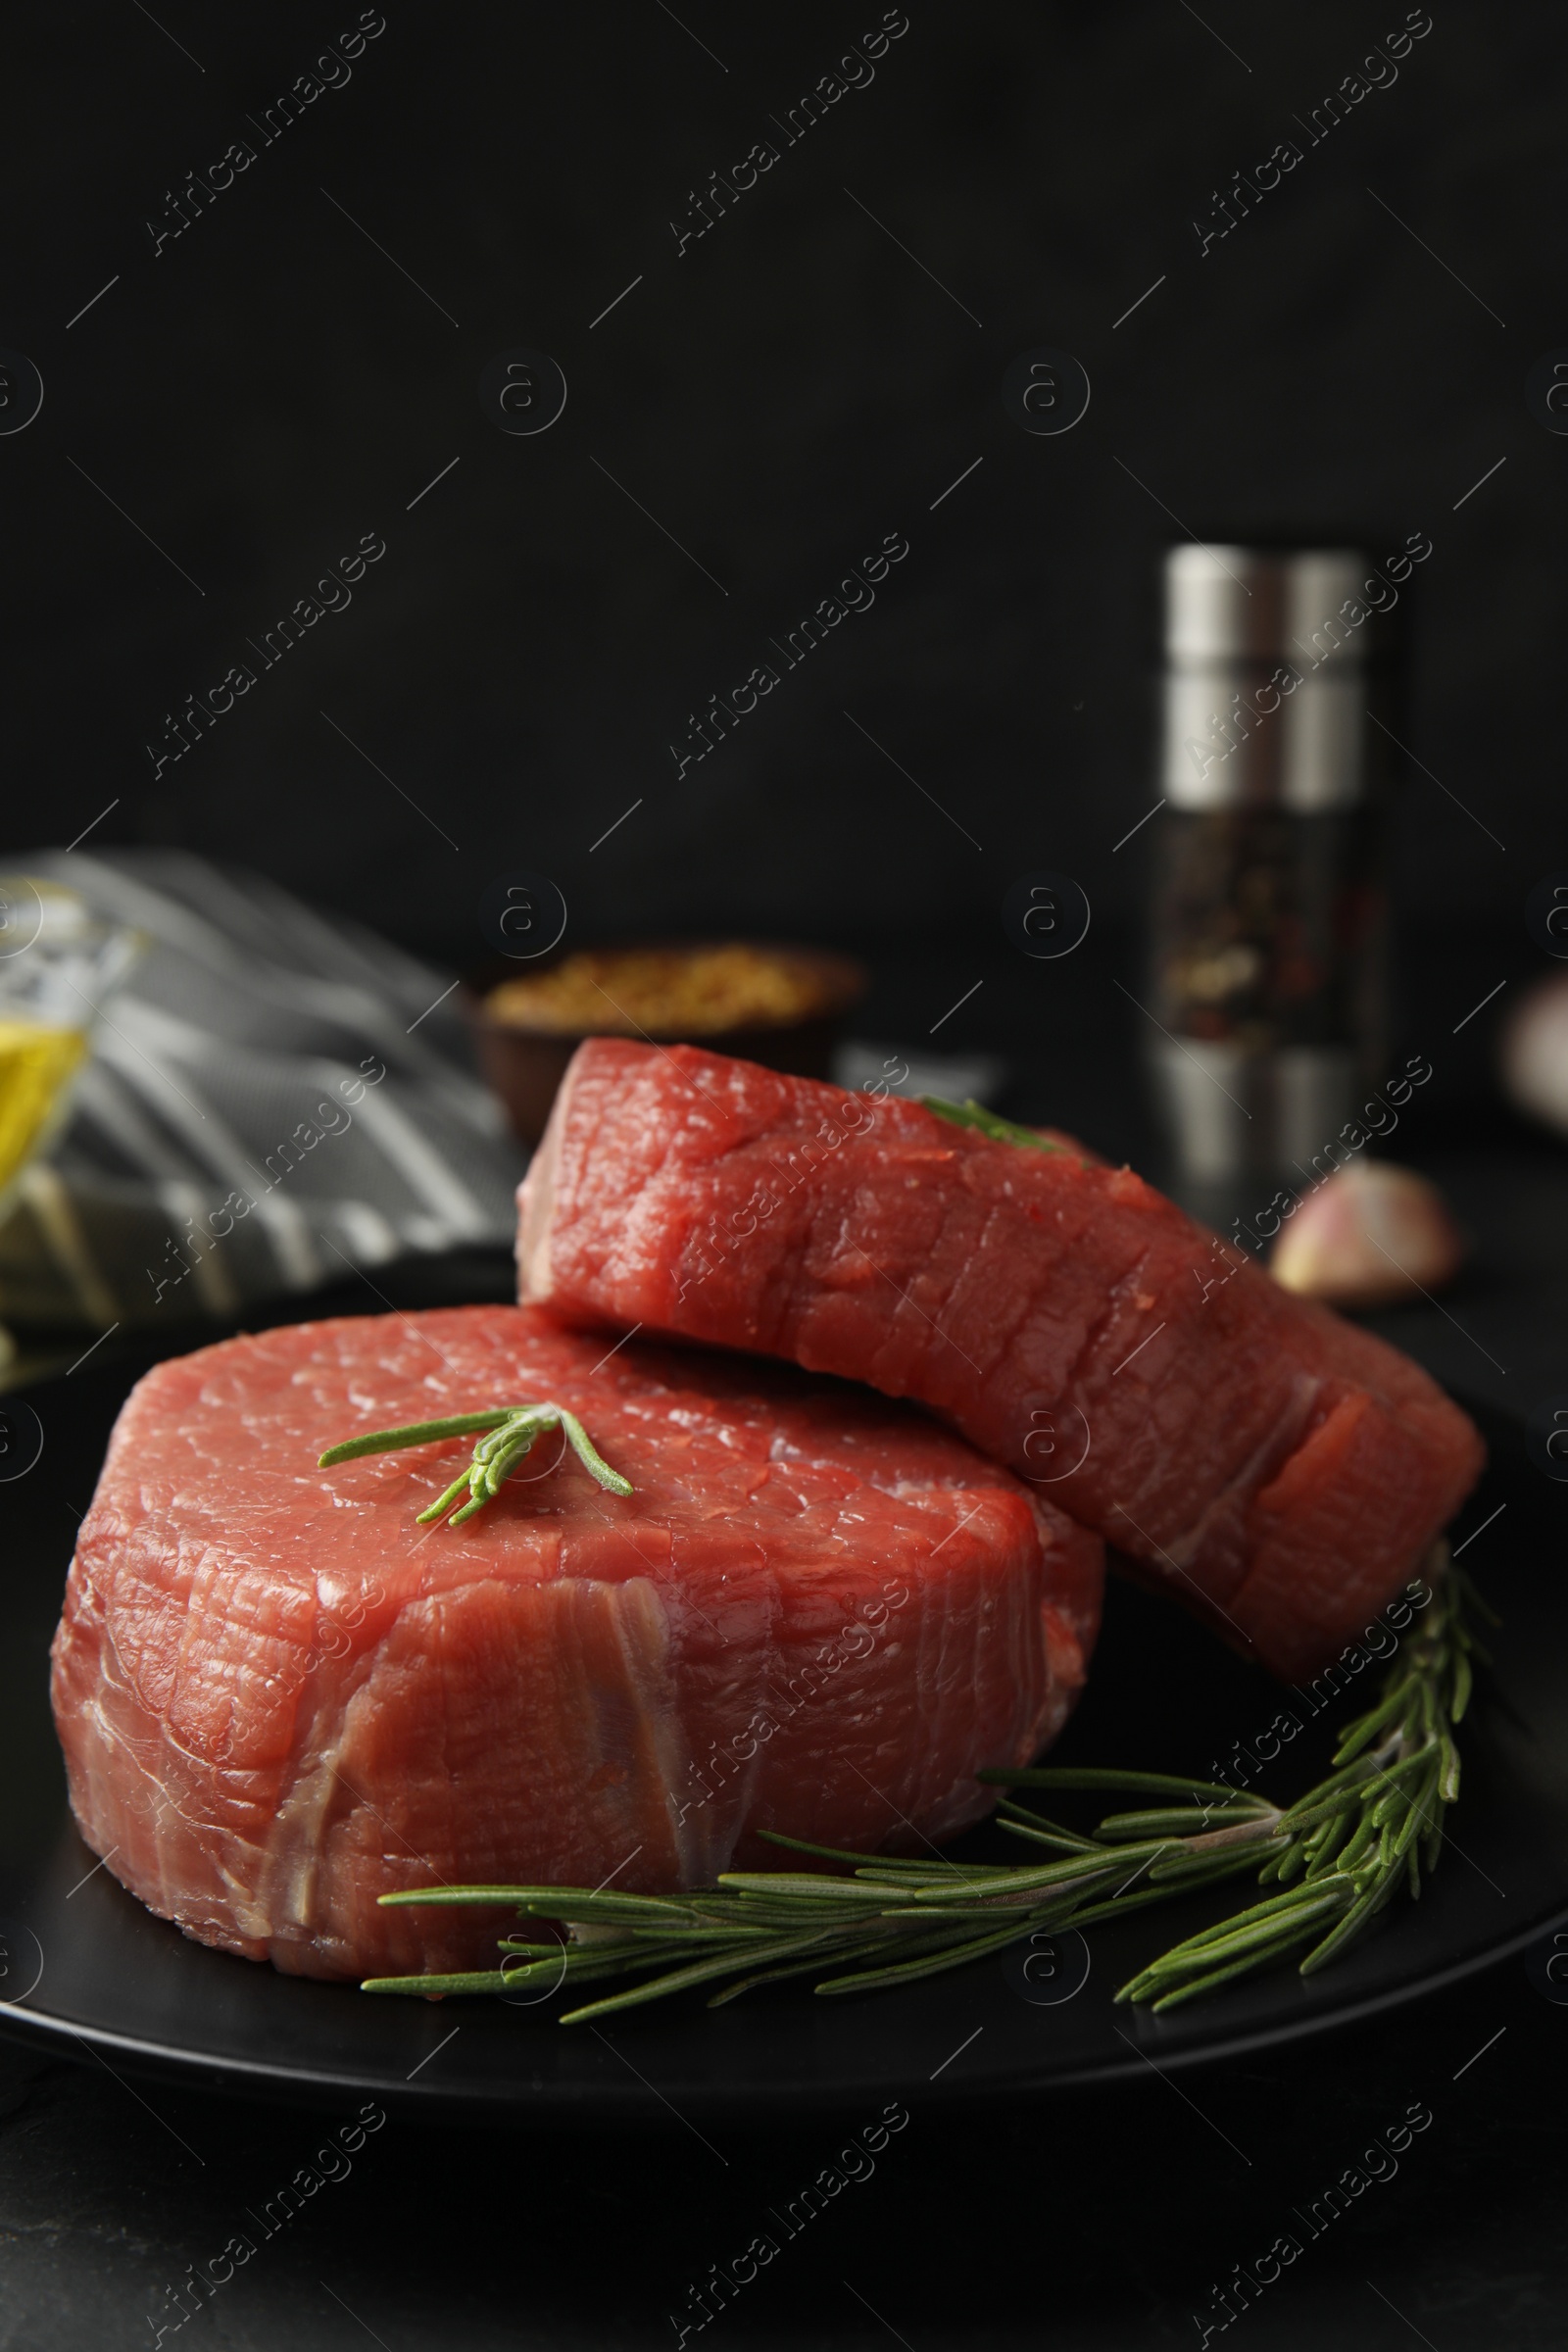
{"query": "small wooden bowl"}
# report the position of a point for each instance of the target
(525, 1065)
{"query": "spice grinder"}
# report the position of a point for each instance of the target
(1269, 911)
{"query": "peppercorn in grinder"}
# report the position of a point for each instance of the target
(1269, 910)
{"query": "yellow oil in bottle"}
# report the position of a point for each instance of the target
(35, 1063)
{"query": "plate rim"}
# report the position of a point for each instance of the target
(271, 2081)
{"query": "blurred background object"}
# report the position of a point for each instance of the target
(914, 1071)
(1533, 1054)
(1371, 1234)
(58, 963)
(781, 1007)
(275, 1100)
(57, 967)
(1269, 916)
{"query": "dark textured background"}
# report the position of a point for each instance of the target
(779, 397)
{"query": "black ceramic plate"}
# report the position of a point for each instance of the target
(89, 1969)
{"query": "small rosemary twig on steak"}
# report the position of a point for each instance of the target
(1000, 1131)
(513, 1430)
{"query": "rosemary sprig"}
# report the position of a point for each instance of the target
(1342, 1850)
(513, 1430)
(1335, 1855)
(1000, 1131)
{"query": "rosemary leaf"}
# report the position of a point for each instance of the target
(680, 1979)
(1170, 1821)
(1096, 1775)
(867, 1947)
(416, 1432)
(1209, 1983)
(1000, 1131)
(1039, 1831)
(905, 1972)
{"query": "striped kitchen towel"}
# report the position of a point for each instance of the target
(276, 1099)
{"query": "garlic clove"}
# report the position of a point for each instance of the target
(1534, 1052)
(1370, 1235)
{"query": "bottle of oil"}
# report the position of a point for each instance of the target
(57, 961)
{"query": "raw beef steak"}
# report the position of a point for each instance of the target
(1274, 1467)
(279, 1698)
